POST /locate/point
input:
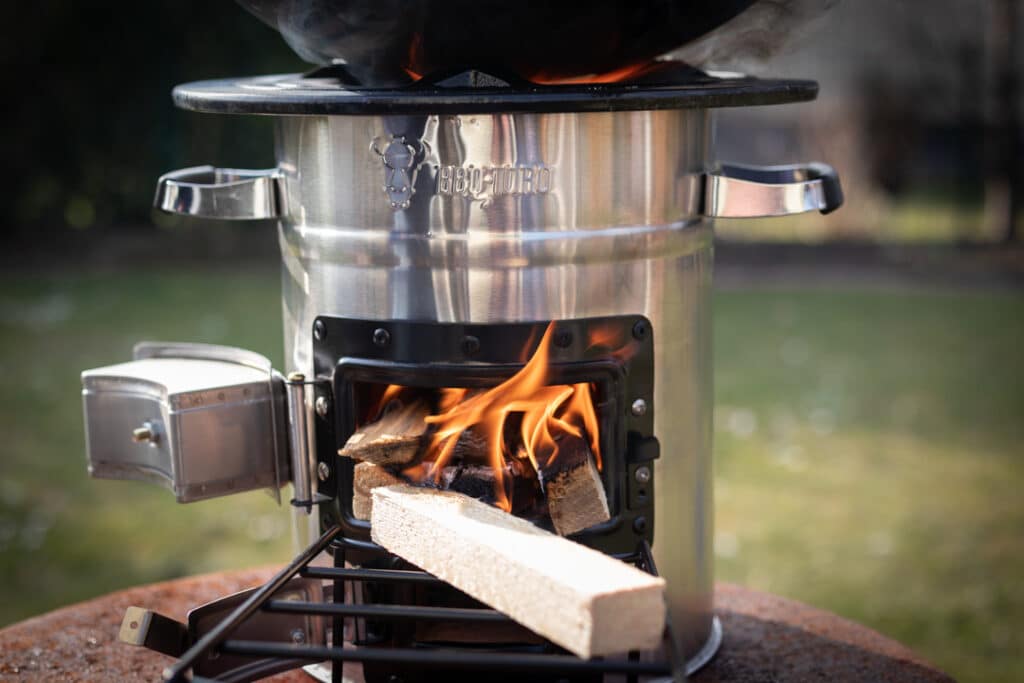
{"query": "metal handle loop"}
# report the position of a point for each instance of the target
(756, 191)
(222, 193)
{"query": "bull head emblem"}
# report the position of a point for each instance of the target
(401, 159)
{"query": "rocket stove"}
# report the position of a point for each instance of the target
(437, 238)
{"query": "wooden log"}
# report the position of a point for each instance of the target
(470, 446)
(394, 439)
(587, 602)
(477, 481)
(365, 477)
(572, 484)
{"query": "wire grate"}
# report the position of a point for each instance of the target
(528, 659)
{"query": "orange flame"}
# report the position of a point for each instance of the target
(616, 76)
(414, 59)
(548, 411)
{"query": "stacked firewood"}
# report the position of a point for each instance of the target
(448, 524)
(564, 492)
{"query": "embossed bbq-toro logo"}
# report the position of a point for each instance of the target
(401, 158)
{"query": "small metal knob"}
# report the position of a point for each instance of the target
(147, 433)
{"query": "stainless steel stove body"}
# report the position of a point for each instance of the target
(469, 205)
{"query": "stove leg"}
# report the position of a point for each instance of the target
(338, 622)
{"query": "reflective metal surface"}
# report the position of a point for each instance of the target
(520, 218)
(226, 193)
(298, 440)
(490, 218)
(750, 191)
(201, 420)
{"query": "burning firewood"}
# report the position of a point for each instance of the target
(394, 439)
(587, 602)
(478, 481)
(366, 477)
(575, 493)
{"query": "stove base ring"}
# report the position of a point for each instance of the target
(322, 670)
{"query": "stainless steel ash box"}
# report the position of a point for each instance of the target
(203, 420)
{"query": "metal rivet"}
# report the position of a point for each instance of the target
(323, 471)
(642, 474)
(322, 405)
(381, 337)
(640, 330)
(638, 408)
(563, 338)
(319, 330)
(470, 345)
(298, 635)
(640, 525)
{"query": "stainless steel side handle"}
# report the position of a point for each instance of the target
(223, 193)
(754, 191)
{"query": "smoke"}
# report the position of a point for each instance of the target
(749, 41)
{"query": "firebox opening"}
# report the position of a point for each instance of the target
(546, 395)
(538, 452)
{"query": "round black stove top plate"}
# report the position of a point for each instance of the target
(296, 95)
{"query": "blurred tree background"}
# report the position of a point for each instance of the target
(91, 124)
(919, 109)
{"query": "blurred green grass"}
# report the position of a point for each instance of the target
(868, 452)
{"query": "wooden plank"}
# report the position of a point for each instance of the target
(365, 477)
(587, 602)
(394, 439)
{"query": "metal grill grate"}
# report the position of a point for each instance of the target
(528, 659)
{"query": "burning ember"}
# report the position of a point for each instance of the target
(519, 445)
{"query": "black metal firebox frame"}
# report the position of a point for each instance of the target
(270, 657)
(616, 352)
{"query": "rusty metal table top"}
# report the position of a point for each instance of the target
(767, 638)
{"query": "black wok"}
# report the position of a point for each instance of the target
(387, 42)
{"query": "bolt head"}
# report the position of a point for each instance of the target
(638, 408)
(298, 635)
(563, 338)
(319, 330)
(470, 345)
(640, 525)
(323, 471)
(642, 474)
(381, 337)
(641, 330)
(322, 405)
